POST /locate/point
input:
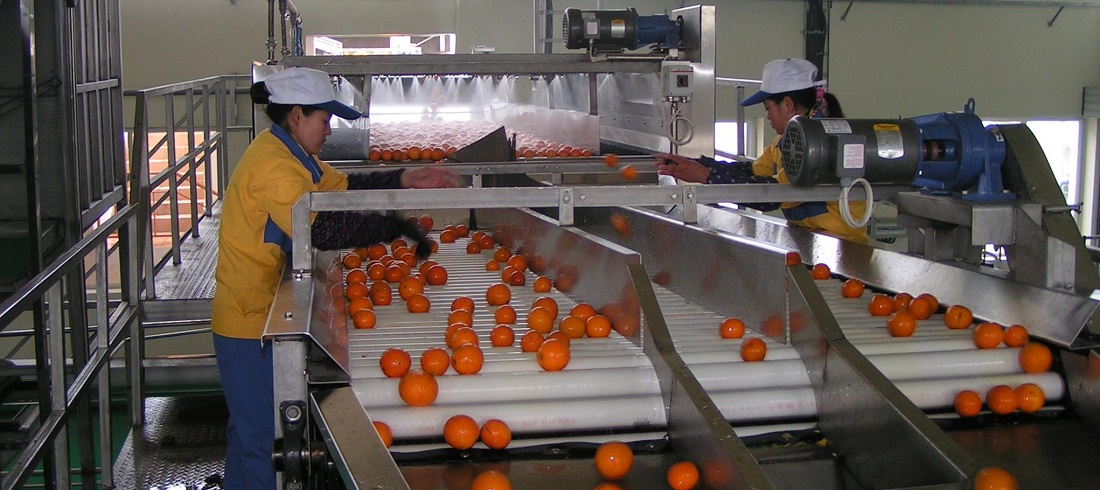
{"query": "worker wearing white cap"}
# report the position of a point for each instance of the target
(277, 169)
(787, 89)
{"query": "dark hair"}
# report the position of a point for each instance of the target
(832, 106)
(277, 112)
(804, 99)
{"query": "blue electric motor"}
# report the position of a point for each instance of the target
(616, 30)
(946, 153)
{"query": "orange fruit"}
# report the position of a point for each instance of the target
(460, 316)
(418, 388)
(384, 432)
(467, 359)
(502, 336)
(607, 486)
(613, 460)
(473, 248)
(426, 223)
(463, 303)
(597, 326)
(548, 303)
(498, 294)
(1016, 336)
(394, 273)
(683, 476)
(956, 317)
(994, 478)
(1030, 397)
(542, 284)
(435, 361)
(355, 291)
(620, 225)
(409, 286)
(1001, 399)
(753, 349)
(364, 319)
(496, 434)
(486, 242)
(437, 275)
(452, 328)
(352, 261)
(395, 362)
(518, 261)
(931, 299)
(1035, 358)
(611, 160)
(552, 355)
(880, 305)
(987, 335)
(414, 152)
(902, 324)
(447, 236)
(793, 258)
(376, 271)
(359, 304)
(920, 308)
(462, 231)
(629, 172)
(376, 251)
(506, 273)
(852, 288)
(572, 327)
(418, 303)
(582, 311)
(491, 480)
(531, 341)
(559, 335)
(968, 403)
(540, 320)
(517, 278)
(461, 336)
(731, 328)
(398, 243)
(461, 432)
(357, 276)
(820, 272)
(902, 300)
(492, 265)
(502, 254)
(505, 314)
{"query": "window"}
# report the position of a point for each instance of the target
(1061, 142)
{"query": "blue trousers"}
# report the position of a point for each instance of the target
(245, 369)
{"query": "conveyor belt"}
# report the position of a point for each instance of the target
(611, 385)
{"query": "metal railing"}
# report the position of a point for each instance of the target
(182, 171)
(44, 297)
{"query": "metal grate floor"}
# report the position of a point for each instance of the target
(193, 278)
(182, 445)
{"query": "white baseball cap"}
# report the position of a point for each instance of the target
(306, 86)
(782, 76)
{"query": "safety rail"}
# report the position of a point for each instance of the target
(59, 336)
(182, 171)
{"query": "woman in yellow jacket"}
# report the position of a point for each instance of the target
(277, 169)
(787, 90)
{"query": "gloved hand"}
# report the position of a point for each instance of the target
(402, 227)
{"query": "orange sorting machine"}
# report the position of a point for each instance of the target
(663, 381)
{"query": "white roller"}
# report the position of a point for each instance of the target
(940, 393)
(948, 364)
(751, 375)
(903, 345)
(766, 404)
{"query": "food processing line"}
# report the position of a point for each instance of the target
(837, 403)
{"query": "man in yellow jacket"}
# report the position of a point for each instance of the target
(787, 89)
(278, 168)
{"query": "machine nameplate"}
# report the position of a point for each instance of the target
(890, 144)
(853, 155)
(833, 126)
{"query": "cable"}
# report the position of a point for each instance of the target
(670, 126)
(867, 213)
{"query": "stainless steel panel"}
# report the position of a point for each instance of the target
(696, 427)
(730, 275)
(715, 193)
(699, 31)
(874, 426)
(1052, 315)
(992, 223)
(1083, 381)
(361, 459)
(464, 64)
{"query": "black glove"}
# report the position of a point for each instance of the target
(402, 227)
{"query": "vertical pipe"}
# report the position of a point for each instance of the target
(103, 344)
(193, 165)
(58, 386)
(548, 36)
(742, 127)
(283, 27)
(173, 184)
(132, 286)
(271, 32)
(219, 149)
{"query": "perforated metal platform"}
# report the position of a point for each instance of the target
(181, 446)
(193, 278)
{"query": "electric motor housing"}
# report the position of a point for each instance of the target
(617, 30)
(821, 151)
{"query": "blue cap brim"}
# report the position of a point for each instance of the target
(341, 110)
(756, 98)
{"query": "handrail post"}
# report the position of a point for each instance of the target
(58, 386)
(192, 165)
(173, 180)
(103, 344)
(136, 347)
